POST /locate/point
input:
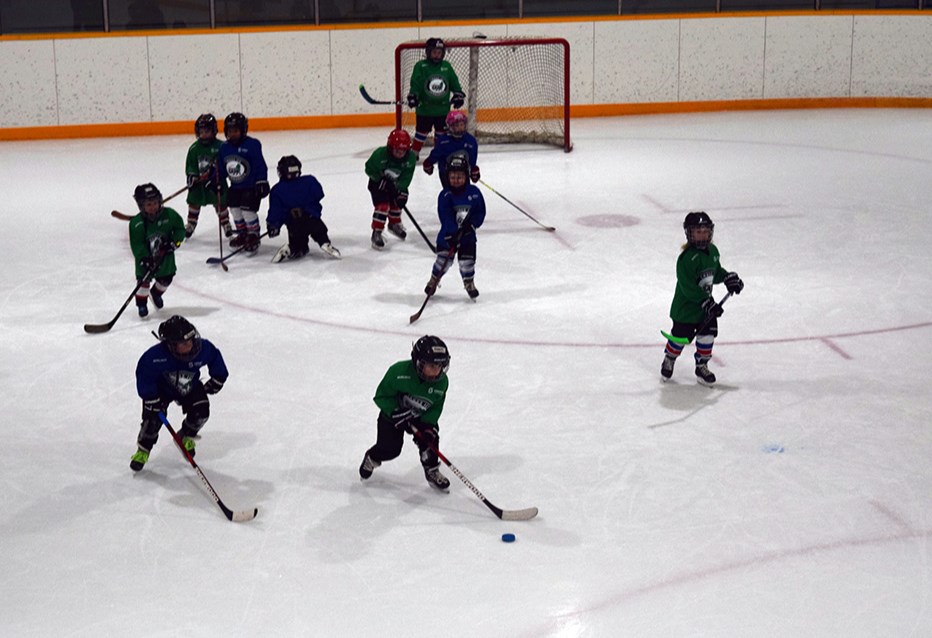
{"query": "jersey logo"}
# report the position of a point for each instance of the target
(436, 85)
(706, 277)
(461, 211)
(237, 168)
(181, 381)
(420, 405)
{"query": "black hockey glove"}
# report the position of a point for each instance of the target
(387, 186)
(147, 263)
(457, 99)
(712, 309)
(193, 180)
(151, 409)
(733, 283)
(402, 420)
(412, 101)
(474, 174)
(274, 231)
(262, 190)
(427, 435)
(428, 167)
(213, 386)
(401, 198)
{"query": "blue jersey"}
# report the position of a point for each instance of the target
(159, 374)
(452, 209)
(446, 145)
(303, 193)
(242, 164)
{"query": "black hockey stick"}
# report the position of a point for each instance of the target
(416, 225)
(220, 260)
(219, 222)
(371, 100)
(97, 328)
(526, 214)
(236, 517)
(454, 245)
(506, 515)
(702, 326)
(124, 217)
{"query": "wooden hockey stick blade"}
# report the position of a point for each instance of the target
(118, 215)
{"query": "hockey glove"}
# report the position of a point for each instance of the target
(412, 101)
(193, 180)
(386, 186)
(474, 174)
(274, 231)
(262, 190)
(147, 263)
(402, 419)
(733, 283)
(213, 386)
(712, 309)
(456, 101)
(401, 199)
(428, 167)
(426, 435)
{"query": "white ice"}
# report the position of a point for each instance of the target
(792, 499)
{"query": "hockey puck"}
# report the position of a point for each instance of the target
(508, 538)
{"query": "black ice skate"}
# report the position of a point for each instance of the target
(704, 375)
(398, 230)
(227, 229)
(252, 243)
(666, 368)
(189, 229)
(157, 298)
(366, 467)
(139, 460)
(435, 478)
(470, 287)
(431, 286)
(142, 308)
(377, 242)
(238, 241)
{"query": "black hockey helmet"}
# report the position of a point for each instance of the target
(145, 192)
(435, 43)
(289, 167)
(458, 162)
(235, 120)
(205, 121)
(694, 221)
(175, 331)
(430, 349)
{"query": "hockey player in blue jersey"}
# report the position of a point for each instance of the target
(461, 209)
(456, 139)
(240, 161)
(295, 203)
(170, 372)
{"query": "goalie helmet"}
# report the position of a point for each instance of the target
(399, 140)
(235, 120)
(458, 162)
(430, 349)
(435, 43)
(289, 167)
(145, 192)
(456, 123)
(693, 222)
(176, 331)
(205, 121)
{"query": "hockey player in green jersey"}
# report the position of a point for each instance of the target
(410, 399)
(154, 234)
(204, 189)
(434, 88)
(390, 169)
(697, 269)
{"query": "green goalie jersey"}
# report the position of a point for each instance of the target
(433, 83)
(402, 388)
(696, 271)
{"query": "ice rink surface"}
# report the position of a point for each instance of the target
(792, 499)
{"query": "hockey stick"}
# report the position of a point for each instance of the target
(236, 517)
(220, 260)
(702, 326)
(454, 245)
(371, 100)
(526, 214)
(506, 515)
(97, 328)
(220, 223)
(416, 225)
(119, 215)
(123, 216)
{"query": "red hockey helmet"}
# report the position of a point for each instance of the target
(399, 140)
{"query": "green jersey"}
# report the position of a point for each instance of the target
(167, 227)
(401, 388)
(696, 271)
(432, 84)
(200, 159)
(382, 164)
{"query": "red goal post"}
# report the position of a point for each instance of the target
(517, 88)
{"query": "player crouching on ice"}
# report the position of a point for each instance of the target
(170, 372)
(295, 202)
(154, 234)
(694, 311)
(461, 209)
(410, 399)
(390, 169)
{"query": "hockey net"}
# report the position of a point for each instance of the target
(517, 89)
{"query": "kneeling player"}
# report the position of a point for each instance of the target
(295, 203)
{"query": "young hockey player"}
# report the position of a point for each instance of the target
(201, 168)
(154, 234)
(455, 140)
(170, 372)
(410, 399)
(390, 169)
(240, 160)
(461, 209)
(434, 88)
(697, 268)
(295, 202)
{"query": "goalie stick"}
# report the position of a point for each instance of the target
(702, 326)
(221, 260)
(506, 515)
(236, 517)
(371, 100)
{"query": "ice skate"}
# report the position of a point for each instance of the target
(157, 298)
(143, 309)
(431, 286)
(704, 375)
(377, 242)
(331, 250)
(189, 229)
(470, 287)
(398, 230)
(188, 443)
(368, 464)
(238, 241)
(252, 243)
(666, 368)
(435, 478)
(139, 460)
(283, 254)
(227, 228)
